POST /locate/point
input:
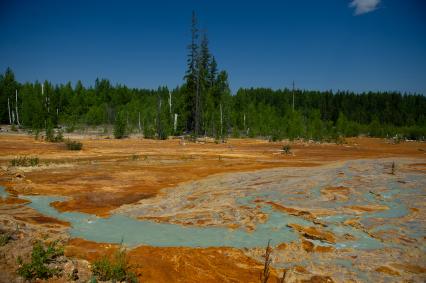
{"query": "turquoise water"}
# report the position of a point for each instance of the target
(132, 232)
(3, 193)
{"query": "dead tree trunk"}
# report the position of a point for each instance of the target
(8, 107)
(170, 102)
(264, 276)
(197, 107)
(16, 107)
(221, 122)
(244, 121)
(175, 122)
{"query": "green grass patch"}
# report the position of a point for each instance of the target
(51, 137)
(5, 238)
(114, 268)
(73, 145)
(41, 257)
(25, 161)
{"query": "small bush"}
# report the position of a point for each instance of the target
(14, 128)
(115, 268)
(286, 149)
(135, 157)
(73, 145)
(162, 135)
(276, 136)
(120, 127)
(5, 238)
(149, 133)
(70, 129)
(36, 134)
(51, 137)
(340, 140)
(24, 161)
(50, 133)
(59, 136)
(41, 257)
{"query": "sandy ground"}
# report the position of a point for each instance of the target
(112, 174)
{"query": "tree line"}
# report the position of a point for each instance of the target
(203, 106)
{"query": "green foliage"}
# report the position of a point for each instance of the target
(275, 136)
(51, 136)
(73, 145)
(205, 106)
(59, 137)
(24, 161)
(96, 115)
(114, 268)
(135, 157)
(120, 126)
(70, 129)
(50, 133)
(5, 238)
(149, 133)
(41, 257)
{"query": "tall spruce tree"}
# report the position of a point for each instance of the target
(191, 76)
(204, 73)
(212, 71)
(8, 88)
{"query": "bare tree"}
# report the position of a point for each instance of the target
(264, 276)
(175, 122)
(221, 122)
(139, 121)
(16, 107)
(8, 108)
(197, 103)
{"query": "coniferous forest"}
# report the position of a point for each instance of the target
(204, 106)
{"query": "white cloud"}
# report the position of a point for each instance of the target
(364, 6)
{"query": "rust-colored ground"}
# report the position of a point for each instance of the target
(109, 173)
(177, 264)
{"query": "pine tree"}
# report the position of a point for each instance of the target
(204, 69)
(120, 126)
(191, 76)
(204, 62)
(212, 72)
(9, 86)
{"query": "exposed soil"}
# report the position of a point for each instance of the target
(108, 174)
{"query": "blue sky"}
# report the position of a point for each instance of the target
(355, 45)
